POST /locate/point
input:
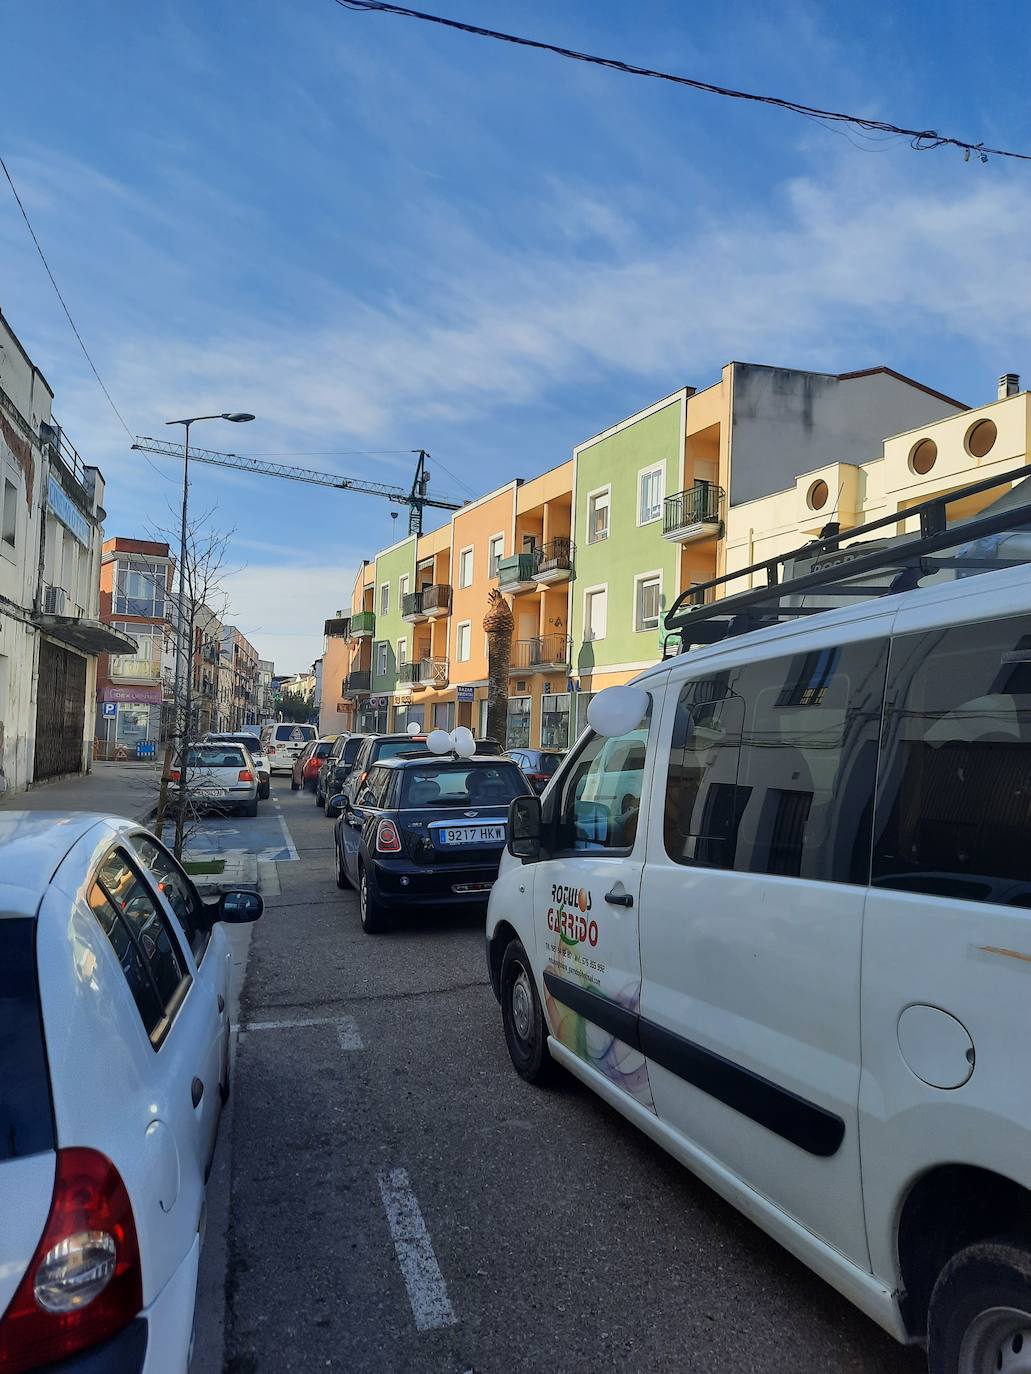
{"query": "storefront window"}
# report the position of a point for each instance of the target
(583, 700)
(555, 721)
(407, 715)
(444, 715)
(518, 723)
(481, 729)
(132, 724)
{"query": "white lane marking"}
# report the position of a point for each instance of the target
(347, 1034)
(299, 1022)
(427, 1291)
(289, 842)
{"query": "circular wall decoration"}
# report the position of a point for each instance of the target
(981, 438)
(923, 457)
(818, 494)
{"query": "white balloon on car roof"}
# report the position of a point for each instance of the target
(414, 728)
(438, 742)
(617, 710)
(462, 739)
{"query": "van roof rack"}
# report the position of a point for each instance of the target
(835, 566)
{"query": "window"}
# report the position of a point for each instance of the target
(647, 601)
(583, 700)
(140, 935)
(601, 795)
(598, 516)
(955, 771)
(381, 658)
(481, 732)
(596, 610)
(456, 784)
(529, 543)
(384, 598)
(772, 765)
(146, 661)
(26, 1120)
(177, 890)
(518, 723)
(463, 641)
(402, 591)
(465, 568)
(555, 720)
(650, 485)
(444, 716)
(374, 793)
(9, 513)
(402, 652)
(497, 553)
(140, 590)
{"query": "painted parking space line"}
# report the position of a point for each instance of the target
(291, 850)
(427, 1291)
(348, 1033)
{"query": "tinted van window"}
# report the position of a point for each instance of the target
(296, 733)
(26, 1123)
(601, 796)
(773, 765)
(954, 810)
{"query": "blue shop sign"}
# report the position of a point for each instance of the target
(68, 513)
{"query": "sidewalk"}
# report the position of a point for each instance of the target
(114, 789)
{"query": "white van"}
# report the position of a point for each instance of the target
(797, 952)
(283, 742)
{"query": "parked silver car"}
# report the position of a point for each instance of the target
(252, 744)
(219, 777)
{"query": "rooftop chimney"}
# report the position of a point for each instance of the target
(1009, 384)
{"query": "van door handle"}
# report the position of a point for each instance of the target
(615, 898)
(196, 1091)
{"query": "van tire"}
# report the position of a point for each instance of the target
(525, 1031)
(980, 1309)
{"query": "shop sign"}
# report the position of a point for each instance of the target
(465, 693)
(68, 513)
(134, 695)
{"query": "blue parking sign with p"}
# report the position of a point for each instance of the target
(109, 708)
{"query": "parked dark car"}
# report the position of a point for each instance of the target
(538, 765)
(377, 747)
(335, 769)
(306, 766)
(425, 831)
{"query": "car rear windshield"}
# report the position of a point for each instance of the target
(215, 756)
(248, 741)
(26, 1121)
(548, 763)
(394, 748)
(459, 785)
(295, 732)
(321, 750)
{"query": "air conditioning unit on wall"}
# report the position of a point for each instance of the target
(54, 600)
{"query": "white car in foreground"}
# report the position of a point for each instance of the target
(114, 1063)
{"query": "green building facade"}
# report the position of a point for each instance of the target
(391, 632)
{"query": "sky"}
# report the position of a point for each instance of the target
(381, 236)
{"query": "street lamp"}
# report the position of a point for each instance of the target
(236, 417)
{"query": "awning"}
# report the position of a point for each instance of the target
(88, 636)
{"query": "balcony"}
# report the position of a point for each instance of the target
(134, 669)
(515, 574)
(338, 628)
(363, 625)
(408, 673)
(553, 561)
(358, 683)
(545, 652)
(436, 600)
(433, 672)
(693, 514)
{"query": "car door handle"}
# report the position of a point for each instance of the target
(196, 1091)
(615, 898)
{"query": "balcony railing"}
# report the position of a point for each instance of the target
(408, 672)
(363, 625)
(136, 668)
(436, 599)
(516, 572)
(338, 628)
(553, 561)
(358, 682)
(433, 672)
(693, 513)
(545, 651)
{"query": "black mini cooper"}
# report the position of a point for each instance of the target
(425, 831)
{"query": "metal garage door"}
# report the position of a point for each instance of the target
(60, 712)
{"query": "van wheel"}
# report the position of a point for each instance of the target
(980, 1315)
(342, 879)
(374, 916)
(525, 1032)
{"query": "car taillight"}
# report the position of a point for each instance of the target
(388, 841)
(84, 1282)
(245, 775)
(173, 775)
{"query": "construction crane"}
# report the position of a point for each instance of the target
(416, 499)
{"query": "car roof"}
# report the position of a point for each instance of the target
(482, 760)
(33, 845)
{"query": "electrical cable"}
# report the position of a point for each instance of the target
(920, 139)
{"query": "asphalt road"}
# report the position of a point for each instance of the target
(401, 1201)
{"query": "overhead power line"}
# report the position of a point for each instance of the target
(920, 139)
(64, 305)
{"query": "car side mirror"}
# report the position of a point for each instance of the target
(239, 908)
(524, 828)
(338, 802)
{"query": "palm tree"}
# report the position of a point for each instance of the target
(498, 626)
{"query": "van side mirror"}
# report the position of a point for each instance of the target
(524, 828)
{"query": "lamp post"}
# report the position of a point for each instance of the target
(236, 417)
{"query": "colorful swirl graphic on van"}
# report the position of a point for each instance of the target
(619, 1062)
